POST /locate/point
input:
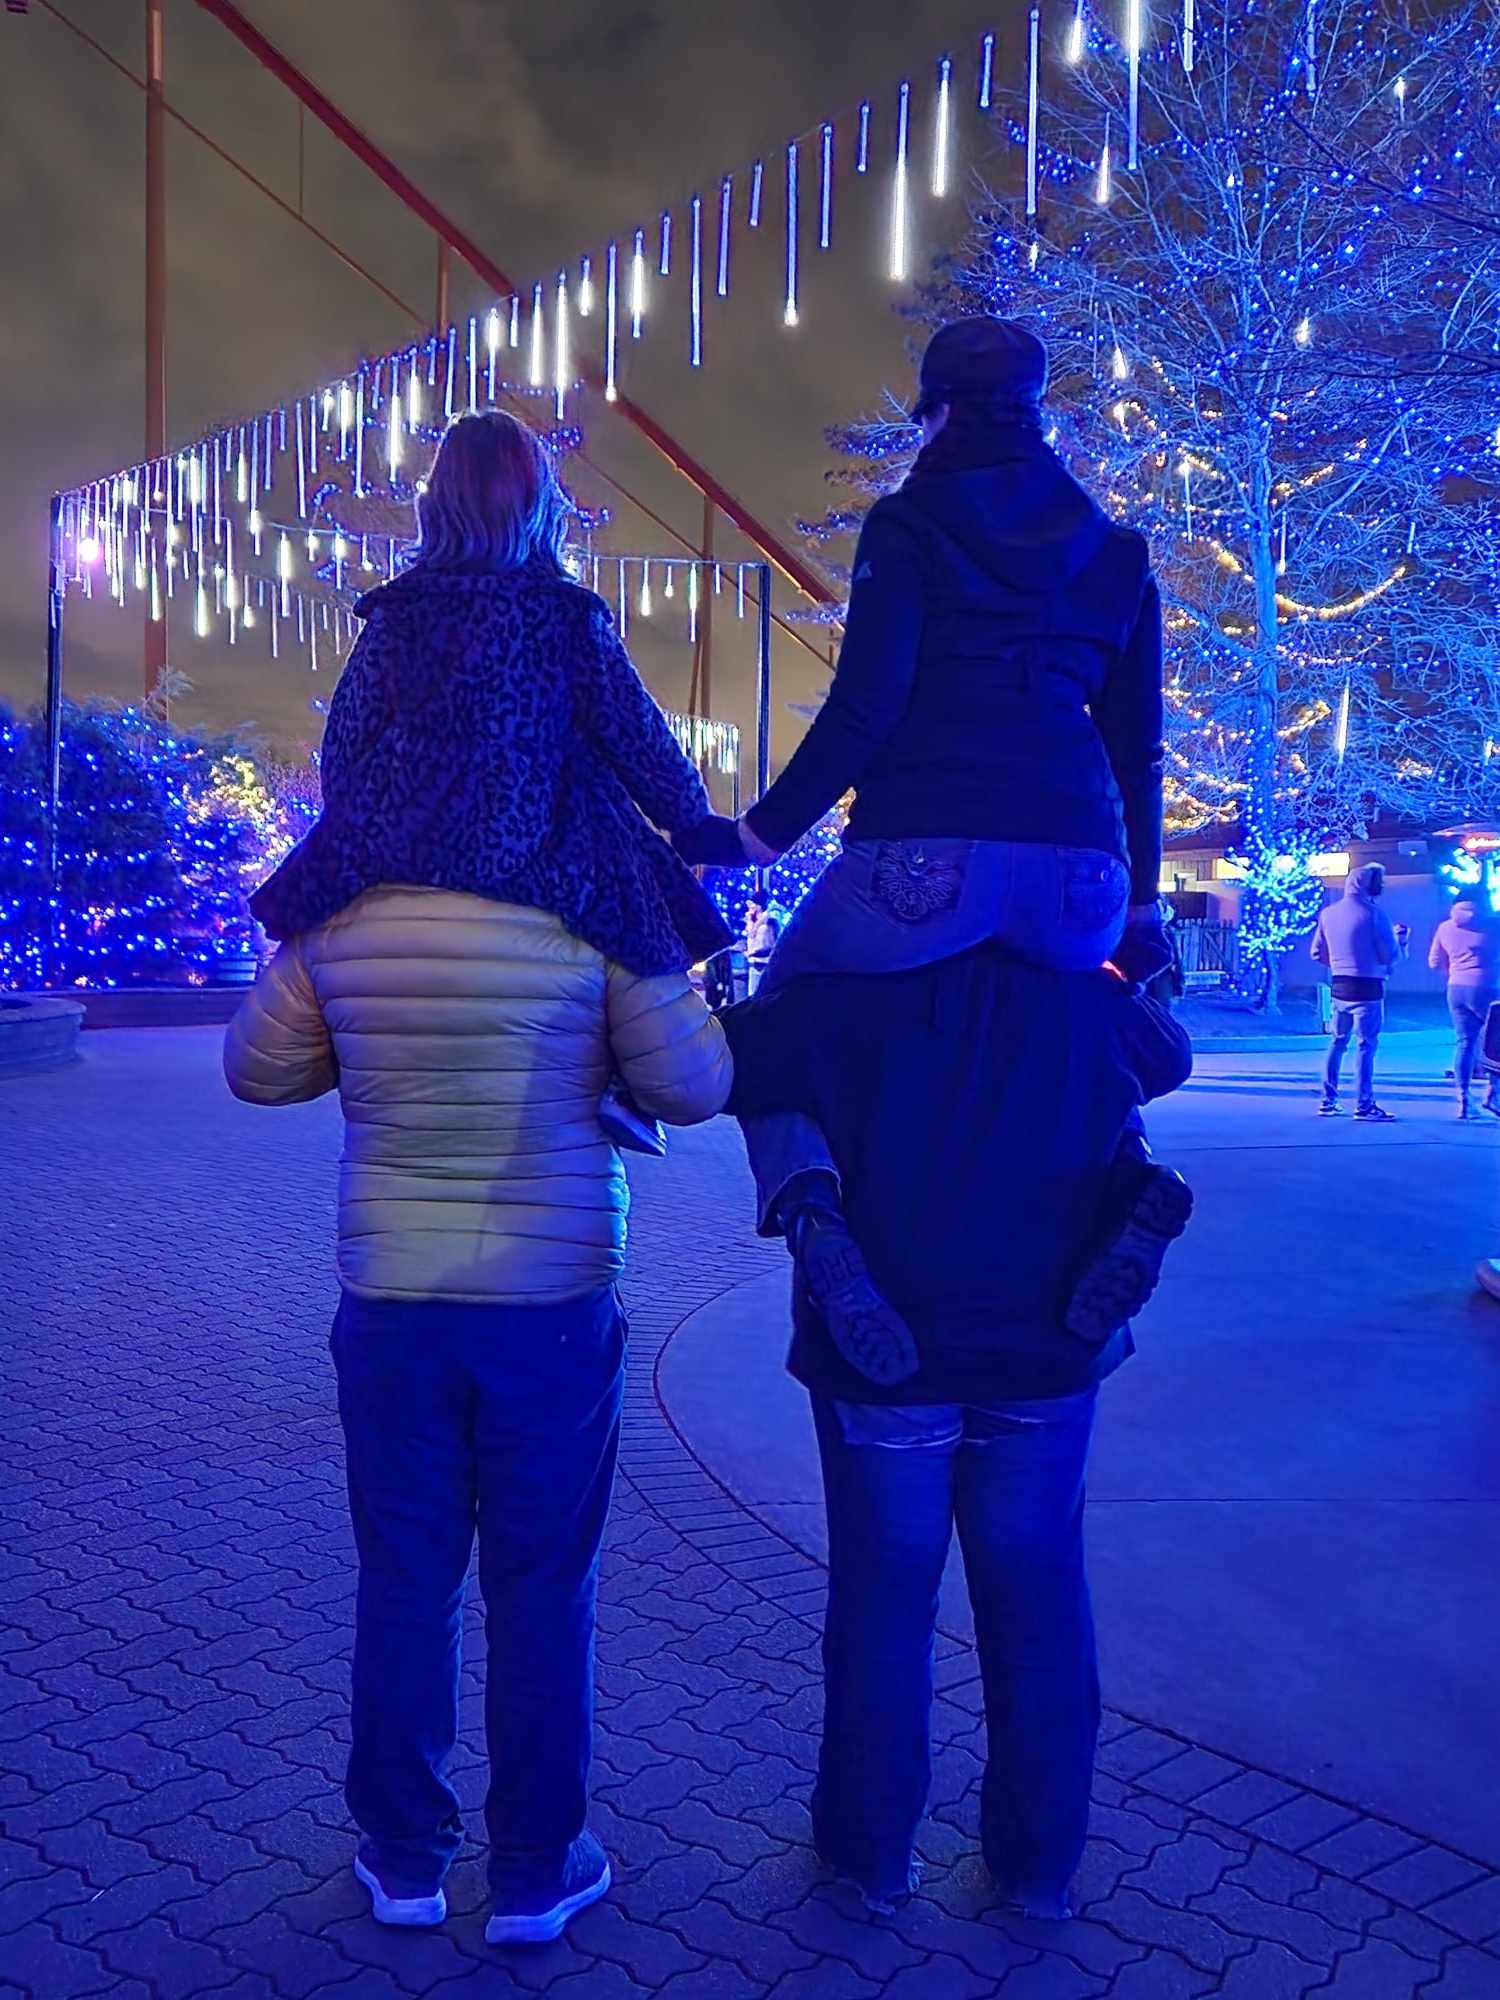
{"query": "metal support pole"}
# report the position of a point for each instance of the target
(703, 661)
(763, 686)
(56, 596)
(155, 652)
(440, 323)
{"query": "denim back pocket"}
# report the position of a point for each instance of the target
(912, 883)
(1095, 889)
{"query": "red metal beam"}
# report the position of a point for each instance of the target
(406, 191)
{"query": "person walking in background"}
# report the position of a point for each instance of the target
(482, 927)
(761, 933)
(1466, 950)
(1359, 945)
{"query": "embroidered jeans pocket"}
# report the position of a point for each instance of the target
(912, 884)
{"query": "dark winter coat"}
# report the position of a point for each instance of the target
(1001, 671)
(973, 1108)
(489, 734)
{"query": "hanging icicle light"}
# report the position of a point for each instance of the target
(664, 261)
(986, 72)
(692, 598)
(898, 188)
(1185, 472)
(515, 323)
(942, 129)
(242, 474)
(825, 188)
(695, 281)
(393, 439)
(757, 182)
(668, 588)
(585, 287)
(1104, 186)
(473, 357)
(862, 149)
(359, 439)
(637, 284)
(1033, 60)
(1310, 64)
(789, 314)
(1119, 367)
(449, 373)
(1281, 557)
(1189, 34)
(1341, 731)
(645, 603)
(1304, 333)
(1400, 94)
(492, 350)
(611, 323)
(346, 417)
(726, 213)
(200, 608)
(1074, 46)
(1133, 54)
(562, 371)
(538, 370)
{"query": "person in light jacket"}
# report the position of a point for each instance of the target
(1359, 945)
(1467, 951)
(481, 930)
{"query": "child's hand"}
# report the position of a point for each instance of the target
(713, 842)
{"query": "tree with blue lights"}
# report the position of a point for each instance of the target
(1275, 350)
(152, 852)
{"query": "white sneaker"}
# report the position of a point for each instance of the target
(407, 1912)
(528, 1916)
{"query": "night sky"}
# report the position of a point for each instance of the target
(542, 130)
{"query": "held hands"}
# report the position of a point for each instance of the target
(712, 843)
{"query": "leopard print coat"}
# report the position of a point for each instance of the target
(490, 734)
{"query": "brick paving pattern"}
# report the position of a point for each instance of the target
(177, 1584)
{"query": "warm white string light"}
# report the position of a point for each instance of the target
(898, 188)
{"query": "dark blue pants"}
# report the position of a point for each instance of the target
(897, 1480)
(505, 1419)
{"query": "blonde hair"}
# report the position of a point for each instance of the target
(492, 500)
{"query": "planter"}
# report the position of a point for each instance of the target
(37, 1033)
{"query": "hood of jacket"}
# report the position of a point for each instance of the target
(1007, 500)
(1362, 882)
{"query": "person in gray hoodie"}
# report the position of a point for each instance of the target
(1359, 944)
(1466, 948)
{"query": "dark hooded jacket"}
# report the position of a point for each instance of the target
(489, 734)
(1000, 676)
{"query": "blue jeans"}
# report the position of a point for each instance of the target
(892, 905)
(896, 1480)
(505, 1419)
(1468, 1009)
(1361, 1019)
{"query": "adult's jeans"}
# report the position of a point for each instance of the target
(892, 905)
(1359, 1020)
(1468, 1009)
(896, 1480)
(504, 1419)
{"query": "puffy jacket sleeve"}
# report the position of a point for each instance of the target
(871, 690)
(1129, 717)
(277, 1049)
(670, 1050)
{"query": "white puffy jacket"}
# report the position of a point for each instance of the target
(470, 1043)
